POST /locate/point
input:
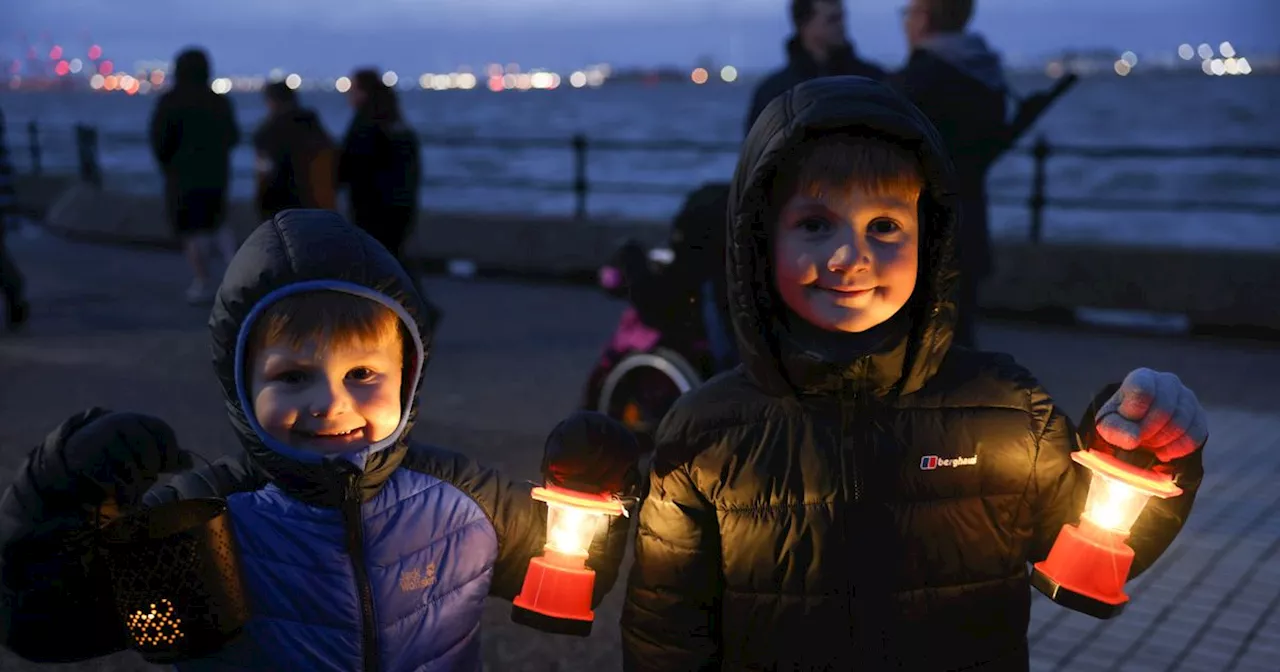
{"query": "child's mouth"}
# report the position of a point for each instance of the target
(331, 436)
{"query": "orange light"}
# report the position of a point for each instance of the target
(699, 76)
(558, 586)
(1089, 563)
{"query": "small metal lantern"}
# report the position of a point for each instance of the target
(175, 573)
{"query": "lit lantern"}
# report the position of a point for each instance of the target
(556, 596)
(175, 576)
(1089, 564)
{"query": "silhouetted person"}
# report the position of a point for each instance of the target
(380, 163)
(295, 159)
(193, 131)
(11, 282)
(381, 168)
(958, 82)
(819, 47)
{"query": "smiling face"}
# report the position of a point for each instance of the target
(846, 243)
(328, 385)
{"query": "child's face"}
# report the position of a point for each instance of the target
(846, 260)
(328, 400)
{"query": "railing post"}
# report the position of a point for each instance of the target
(87, 150)
(33, 146)
(1040, 151)
(580, 176)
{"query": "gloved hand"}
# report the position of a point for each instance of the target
(592, 453)
(102, 456)
(1155, 412)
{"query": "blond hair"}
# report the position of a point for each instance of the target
(331, 318)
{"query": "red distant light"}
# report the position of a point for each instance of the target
(95, 52)
(105, 68)
(55, 53)
(62, 68)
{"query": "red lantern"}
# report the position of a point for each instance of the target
(556, 596)
(1089, 564)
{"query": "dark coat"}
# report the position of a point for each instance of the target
(801, 67)
(794, 519)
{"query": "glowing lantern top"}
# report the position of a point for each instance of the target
(1120, 490)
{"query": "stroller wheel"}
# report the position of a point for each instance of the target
(642, 387)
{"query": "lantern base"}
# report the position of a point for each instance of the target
(1086, 570)
(556, 596)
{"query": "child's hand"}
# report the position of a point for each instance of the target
(592, 453)
(1155, 412)
(117, 455)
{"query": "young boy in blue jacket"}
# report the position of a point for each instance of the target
(359, 550)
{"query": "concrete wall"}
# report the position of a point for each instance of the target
(1220, 288)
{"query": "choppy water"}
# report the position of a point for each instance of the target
(1175, 110)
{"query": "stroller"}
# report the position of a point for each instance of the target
(661, 347)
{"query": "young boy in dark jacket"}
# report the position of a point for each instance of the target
(359, 550)
(797, 517)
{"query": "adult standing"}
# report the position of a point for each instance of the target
(380, 163)
(11, 283)
(958, 82)
(193, 131)
(381, 167)
(819, 47)
(295, 159)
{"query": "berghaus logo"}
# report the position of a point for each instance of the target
(931, 462)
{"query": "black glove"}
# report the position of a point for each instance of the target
(592, 453)
(99, 455)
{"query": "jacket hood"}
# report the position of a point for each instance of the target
(970, 54)
(191, 69)
(815, 107)
(313, 250)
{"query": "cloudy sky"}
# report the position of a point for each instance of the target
(323, 36)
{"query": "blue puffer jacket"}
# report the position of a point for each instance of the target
(378, 559)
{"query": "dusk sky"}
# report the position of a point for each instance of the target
(325, 36)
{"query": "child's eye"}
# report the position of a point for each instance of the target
(361, 373)
(813, 225)
(291, 377)
(884, 227)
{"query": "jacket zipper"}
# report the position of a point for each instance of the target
(849, 473)
(354, 525)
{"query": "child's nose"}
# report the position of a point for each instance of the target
(851, 255)
(329, 398)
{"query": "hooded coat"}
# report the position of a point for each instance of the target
(815, 509)
(376, 559)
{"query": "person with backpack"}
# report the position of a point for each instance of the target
(296, 160)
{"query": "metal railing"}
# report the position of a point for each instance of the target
(581, 185)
